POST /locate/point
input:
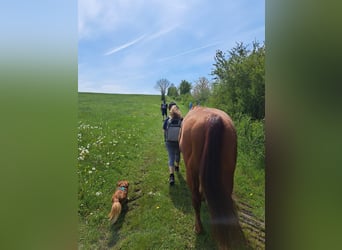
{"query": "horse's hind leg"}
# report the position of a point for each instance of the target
(196, 203)
(193, 184)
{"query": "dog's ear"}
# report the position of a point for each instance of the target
(119, 183)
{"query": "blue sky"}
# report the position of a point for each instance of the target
(126, 46)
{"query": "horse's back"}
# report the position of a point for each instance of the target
(195, 125)
(193, 136)
(198, 118)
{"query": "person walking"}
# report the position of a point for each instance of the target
(171, 127)
(163, 108)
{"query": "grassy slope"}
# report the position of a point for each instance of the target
(121, 138)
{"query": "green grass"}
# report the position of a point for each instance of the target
(120, 137)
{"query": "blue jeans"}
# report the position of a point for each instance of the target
(173, 152)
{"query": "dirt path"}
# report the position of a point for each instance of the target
(253, 227)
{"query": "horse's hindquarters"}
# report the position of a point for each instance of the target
(209, 146)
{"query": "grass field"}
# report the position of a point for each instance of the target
(120, 137)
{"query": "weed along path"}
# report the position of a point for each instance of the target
(120, 138)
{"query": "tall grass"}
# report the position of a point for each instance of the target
(250, 170)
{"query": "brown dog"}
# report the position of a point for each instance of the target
(118, 198)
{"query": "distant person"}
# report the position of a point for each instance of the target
(171, 129)
(190, 105)
(163, 108)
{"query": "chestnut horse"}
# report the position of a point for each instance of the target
(208, 143)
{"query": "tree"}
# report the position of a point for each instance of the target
(184, 87)
(201, 90)
(162, 85)
(240, 81)
(172, 91)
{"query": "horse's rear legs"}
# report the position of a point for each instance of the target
(196, 203)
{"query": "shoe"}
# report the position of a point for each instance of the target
(172, 179)
(177, 168)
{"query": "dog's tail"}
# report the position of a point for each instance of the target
(115, 211)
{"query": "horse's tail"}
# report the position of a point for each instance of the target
(224, 219)
(115, 211)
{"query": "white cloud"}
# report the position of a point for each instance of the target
(124, 46)
(151, 37)
(162, 32)
(88, 12)
(96, 17)
(189, 51)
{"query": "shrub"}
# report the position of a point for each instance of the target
(251, 139)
